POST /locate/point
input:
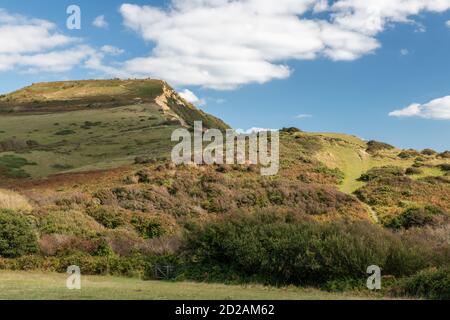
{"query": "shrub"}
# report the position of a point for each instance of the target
(144, 176)
(408, 154)
(382, 172)
(445, 155)
(148, 227)
(107, 216)
(59, 244)
(444, 167)
(17, 238)
(284, 249)
(428, 152)
(290, 130)
(413, 171)
(417, 217)
(103, 249)
(375, 146)
(431, 284)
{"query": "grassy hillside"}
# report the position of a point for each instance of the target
(69, 126)
(86, 179)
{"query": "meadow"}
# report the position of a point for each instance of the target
(52, 286)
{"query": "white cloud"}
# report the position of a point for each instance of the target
(100, 22)
(114, 51)
(189, 96)
(404, 52)
(303, 116)
(372, 16)
(223, 44)
(31, 45)
(19, 35)
(438, 109)
(448, 23)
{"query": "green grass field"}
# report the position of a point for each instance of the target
(88, 139)
(51, 286)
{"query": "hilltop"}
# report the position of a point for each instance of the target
(55, 127)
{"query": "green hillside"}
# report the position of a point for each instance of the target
(69, 126)
(86, 179)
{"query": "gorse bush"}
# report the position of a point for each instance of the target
(418, 217)
(17, 238)
(375, 146)
(148, 227)
(431, 284)
(287, 249)
(107, 216)
(382, 172)
(413, 171)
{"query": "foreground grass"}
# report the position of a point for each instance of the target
(51, 286)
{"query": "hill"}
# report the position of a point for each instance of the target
(56, 127)
(85, 172)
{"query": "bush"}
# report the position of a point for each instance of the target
(428, 152)
(382, 172)
(413, 171)
(444, 167)
(408, 154)
(107, 216)
(290, 130)
(375, 146)
(17, 238)
(445, 155)
(286, 249)
(148, 227)
(417, 217)
(431, 284)
(144, 176)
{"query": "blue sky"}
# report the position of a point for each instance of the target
(311, 66)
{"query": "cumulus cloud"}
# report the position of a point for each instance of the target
(32, 45)
(19, 35)
(100, 22)
(223, 44)
(438, 109)
(220, 44)
(189, 96)
(372, 16)
(448, 23)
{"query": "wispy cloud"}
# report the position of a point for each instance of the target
(303, 116)
(114, 51)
